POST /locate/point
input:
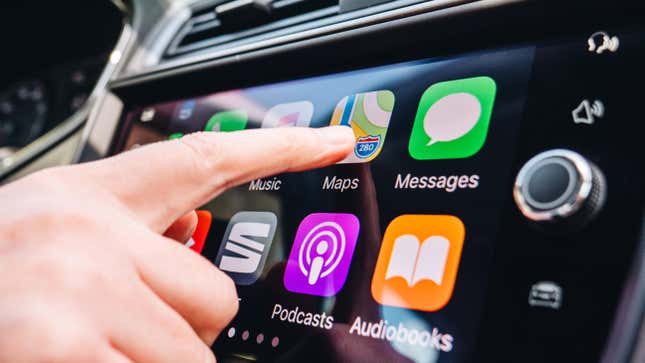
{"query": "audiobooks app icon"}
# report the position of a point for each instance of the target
(418, 262)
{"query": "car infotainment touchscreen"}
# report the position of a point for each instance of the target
(390, 247)
(387, 255)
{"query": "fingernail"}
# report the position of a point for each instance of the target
(335, 135)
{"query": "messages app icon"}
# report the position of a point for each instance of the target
(452, 119)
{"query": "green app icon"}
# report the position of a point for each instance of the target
(452, 119)
(227, 121)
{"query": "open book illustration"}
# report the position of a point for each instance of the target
(415, 261)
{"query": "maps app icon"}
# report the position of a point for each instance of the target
(368, 114)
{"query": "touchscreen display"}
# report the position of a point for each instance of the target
(385, 255)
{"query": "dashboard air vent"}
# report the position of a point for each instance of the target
(239, 20)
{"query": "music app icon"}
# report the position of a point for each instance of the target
(293, 114)
(321, 254)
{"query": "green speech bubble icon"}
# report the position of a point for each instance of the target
(452, 119)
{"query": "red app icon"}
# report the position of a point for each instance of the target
(204, 219)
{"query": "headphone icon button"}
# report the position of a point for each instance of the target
(600, 42)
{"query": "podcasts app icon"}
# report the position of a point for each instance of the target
(321, 254)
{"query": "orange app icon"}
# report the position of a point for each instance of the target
(418, 262)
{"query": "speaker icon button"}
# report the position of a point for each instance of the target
(588, 111)
(321, 254)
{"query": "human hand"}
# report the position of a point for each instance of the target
(89, 270)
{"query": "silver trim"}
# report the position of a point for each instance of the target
(566, 205)
(155, 34)
(100, 92)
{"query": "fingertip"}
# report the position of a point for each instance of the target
(340, 136)
(227, 310)
(339, 140)
(231, 301)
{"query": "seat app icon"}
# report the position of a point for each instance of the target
(321, 254)
(246, 245)
(368, 114)
(418, 262)
(452, 119)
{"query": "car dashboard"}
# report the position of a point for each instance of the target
(491, 211)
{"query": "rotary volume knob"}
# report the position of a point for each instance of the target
(559, 186)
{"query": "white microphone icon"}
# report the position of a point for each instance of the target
(321, 251)
(317, 263)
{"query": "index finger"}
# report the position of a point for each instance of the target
(163, 181)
